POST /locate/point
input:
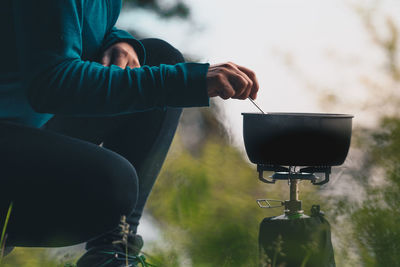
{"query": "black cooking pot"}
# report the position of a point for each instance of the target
(297, 139)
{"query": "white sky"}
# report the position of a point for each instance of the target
(326, 40)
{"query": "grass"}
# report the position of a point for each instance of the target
(36, 257)
(3, 233)
(21, 252)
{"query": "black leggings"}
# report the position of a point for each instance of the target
(67, 189)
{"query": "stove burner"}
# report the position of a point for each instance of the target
(294, 173)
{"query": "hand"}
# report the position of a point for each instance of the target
(229, 80)
(122, 55)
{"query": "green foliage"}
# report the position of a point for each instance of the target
(386, 146)
(160, 256)
(377, 222)
(33, 257)
(206, 199)
(371, 228)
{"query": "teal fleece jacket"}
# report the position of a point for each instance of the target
(48, 66)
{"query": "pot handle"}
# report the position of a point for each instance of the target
(265, 180)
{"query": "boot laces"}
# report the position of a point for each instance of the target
(123, 233)
(123, 240)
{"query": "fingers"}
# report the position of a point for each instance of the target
(106, 59)
(114, 57)
(252, 76)
(119, 59)
(218, 84)
(123, 60)
(243, 90)
(229, 80)
(121, 55)
(133, 63)
(237, 80)
(226, 90)
(243, 81)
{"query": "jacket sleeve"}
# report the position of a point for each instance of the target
(58, 81)
(116, 35)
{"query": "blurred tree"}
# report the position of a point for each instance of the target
(165, 10)
(366, 219)
(369, 231)
(377, 219)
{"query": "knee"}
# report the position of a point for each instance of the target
(161, 52)
(121, 187)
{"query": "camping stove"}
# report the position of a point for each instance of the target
(300, 238)
(293, 175)
(276, 140)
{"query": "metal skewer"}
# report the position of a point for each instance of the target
(252, 101)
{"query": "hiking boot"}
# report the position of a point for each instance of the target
(119, 248)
